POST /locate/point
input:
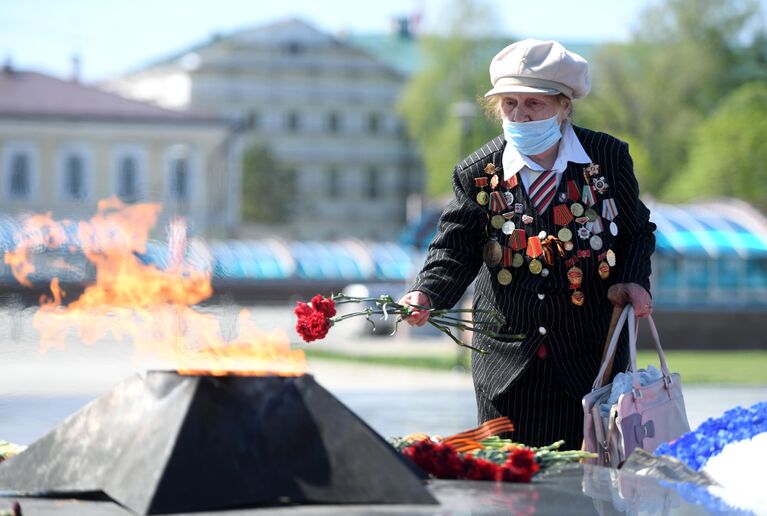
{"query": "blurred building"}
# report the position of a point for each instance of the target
(64, 146)
(323, 106)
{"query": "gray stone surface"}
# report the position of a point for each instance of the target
(574, 490)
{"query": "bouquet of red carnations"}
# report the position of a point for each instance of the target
(316, 317)
(480, 454)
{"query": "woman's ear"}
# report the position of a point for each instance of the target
(566, 106)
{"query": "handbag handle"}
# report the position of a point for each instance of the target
(609, 355)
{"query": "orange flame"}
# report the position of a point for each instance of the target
(133, 301)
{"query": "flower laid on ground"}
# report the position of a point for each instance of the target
(480, 454)
(731, 449)
(316, 317)
(441, 460)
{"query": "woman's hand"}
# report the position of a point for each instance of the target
(622, 293)
(416, 317)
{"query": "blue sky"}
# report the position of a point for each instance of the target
(112, 36)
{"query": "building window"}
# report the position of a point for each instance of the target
(334, 122)
(127, 179)
(179, 179)
(334, 183)
(294, 48)
(20, 187)
(74, 177)
(373, 186)
(293, 122)
(374, 123)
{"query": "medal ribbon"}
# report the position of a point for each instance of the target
(507, 257)
(517, 239)
(572, 191)
(534, 247)
(597, 226)
(497, 201)
(588, 196)
(609, 210)
(562, 215)
(480, 182)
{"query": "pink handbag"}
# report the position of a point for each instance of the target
(644, 417)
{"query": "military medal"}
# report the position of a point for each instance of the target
(512, 181)
(527, 219)
(569, 246)
(576, 209)
(600, 185)
(565, 235)
(494, 182)
(509, 197)
(575, 277)
(482, 197)
(492, 253)
(604, 270)
(497, 221)
(534, 250)
(613, 228)
(592, 169)
(490, 169)
(504, 275)
(517, 260)
(508, 227)
(584, 233)
(595, 242)
(519, 207)
(591, 214)
(610, 258)
(545, 273)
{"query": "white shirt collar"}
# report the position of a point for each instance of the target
(570, 149)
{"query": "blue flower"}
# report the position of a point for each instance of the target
(697, 447)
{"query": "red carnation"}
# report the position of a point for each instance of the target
(479, 469)
(520, 467)
(325, 305)
(314, 318)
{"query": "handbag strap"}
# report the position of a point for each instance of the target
(627, 313)
(633, 331)
(602, 379)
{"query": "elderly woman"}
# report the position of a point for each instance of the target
(547, 219)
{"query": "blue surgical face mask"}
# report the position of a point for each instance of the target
(532, 137)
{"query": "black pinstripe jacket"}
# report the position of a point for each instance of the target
(537, 306)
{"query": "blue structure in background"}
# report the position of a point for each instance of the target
(708, 255)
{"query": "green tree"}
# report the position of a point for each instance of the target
(728, 156)
(456, 72)
(267, 185)
(685, 56)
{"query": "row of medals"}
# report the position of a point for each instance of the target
(493, 252)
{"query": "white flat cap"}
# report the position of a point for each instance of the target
(535, 66)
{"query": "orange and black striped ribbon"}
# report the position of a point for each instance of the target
(469, 439)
